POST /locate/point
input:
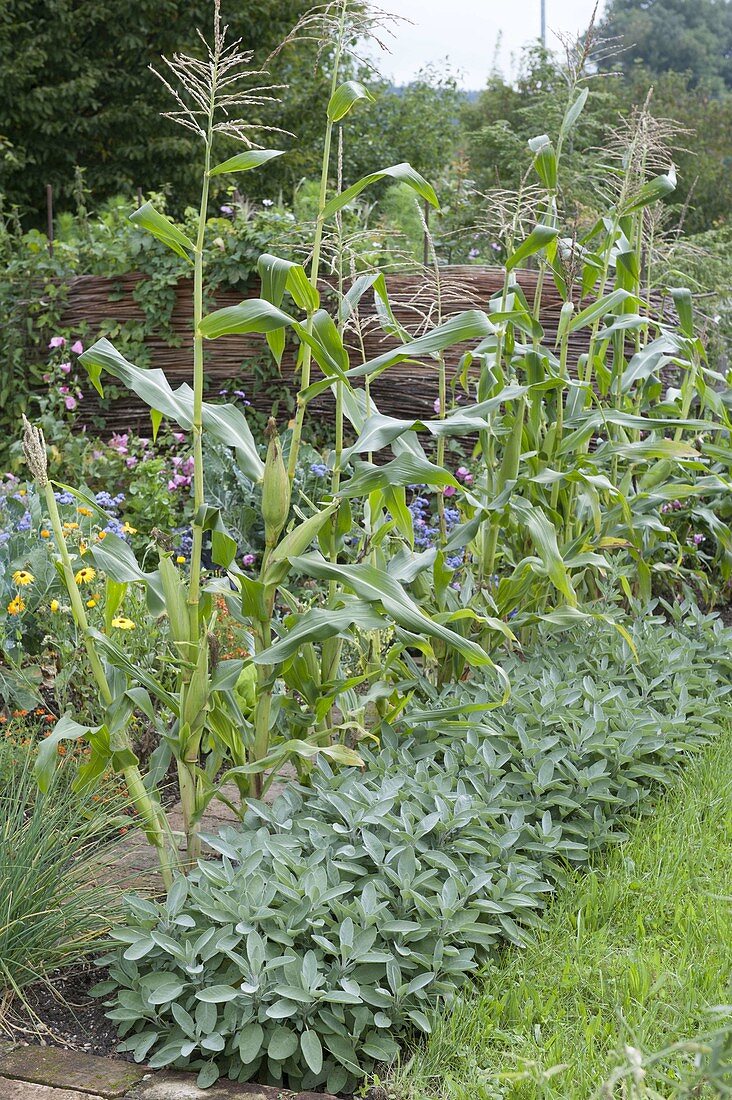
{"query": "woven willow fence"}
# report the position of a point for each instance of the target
(408, 389)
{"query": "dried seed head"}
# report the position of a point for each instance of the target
(34, 449)
(164, 541)
(214, 650)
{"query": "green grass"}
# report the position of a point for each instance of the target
(633, 953)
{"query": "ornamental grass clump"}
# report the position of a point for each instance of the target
(56, 850)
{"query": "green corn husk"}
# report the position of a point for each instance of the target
(175, 601)
(276, 489)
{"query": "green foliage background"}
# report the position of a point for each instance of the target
(682, 36)
(75, 89)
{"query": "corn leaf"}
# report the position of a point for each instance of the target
(402, 173)
(471, 324)
(244, 162)
(539, 237)
(376, 586)
(344, 97)
(147, 217)
(226, 422)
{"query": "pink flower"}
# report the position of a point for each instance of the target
(178, 481)
(46, 377)
(57, 342)
(65, 367)
(63, 389)
(248, 559)
(118, 443)
(130, 462)
(436, 406)
(463, 474)
(449, 491)
(77, 347)
(178, 437)
(70, 402)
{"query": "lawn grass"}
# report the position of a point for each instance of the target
(633, 953)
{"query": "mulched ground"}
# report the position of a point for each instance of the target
(63, 1014)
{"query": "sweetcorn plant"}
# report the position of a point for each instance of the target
(570, 474)
(336, 919)
(201, 722)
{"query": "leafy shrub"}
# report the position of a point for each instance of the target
(339, 916)
(54, 849)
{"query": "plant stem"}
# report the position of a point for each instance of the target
(198, 379)
(188, 758)
(315, 262)
(155, 821)
(559, 431)
(262, 712)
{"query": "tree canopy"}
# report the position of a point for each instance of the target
(75, 89)
(681, 36)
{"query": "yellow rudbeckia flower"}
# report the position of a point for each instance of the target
(123, 623)
(23, 577)
(16, 606)
(85, 575)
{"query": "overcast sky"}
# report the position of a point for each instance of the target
(468, 33)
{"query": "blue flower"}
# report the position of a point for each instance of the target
(319, 469)
(425, 536)
(185, 541)
(108, 502)
(24, 522)
(64, 498)
(114, 527)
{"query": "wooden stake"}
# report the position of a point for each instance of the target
(49, 217)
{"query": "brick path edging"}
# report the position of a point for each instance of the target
(53, 1073)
